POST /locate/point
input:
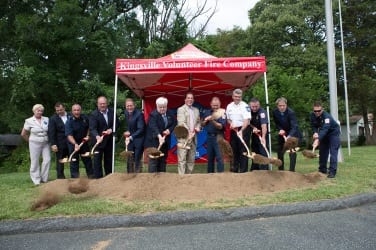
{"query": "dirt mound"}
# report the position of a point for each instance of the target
(173, 187)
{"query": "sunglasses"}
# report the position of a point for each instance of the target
(317, 111)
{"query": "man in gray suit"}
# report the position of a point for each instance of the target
(189, 117)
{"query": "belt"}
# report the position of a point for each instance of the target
(212, 134)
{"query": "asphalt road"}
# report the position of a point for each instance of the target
(349, 227)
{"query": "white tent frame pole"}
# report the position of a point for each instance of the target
(143, 111)
(267, 113)
(114, 127)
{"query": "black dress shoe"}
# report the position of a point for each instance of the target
(323, 171)
(331, 175)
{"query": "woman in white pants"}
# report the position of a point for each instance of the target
(35, 132)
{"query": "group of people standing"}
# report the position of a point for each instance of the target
(69, 134)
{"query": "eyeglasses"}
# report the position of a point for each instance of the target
(317, 111)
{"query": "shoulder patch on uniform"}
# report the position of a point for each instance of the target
(248, 109)
(262, 115)
(327, 120)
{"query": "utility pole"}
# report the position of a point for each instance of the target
(331, 64)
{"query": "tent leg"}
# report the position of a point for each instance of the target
(114, 127)
(268, 114)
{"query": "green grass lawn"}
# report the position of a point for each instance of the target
(355, 175)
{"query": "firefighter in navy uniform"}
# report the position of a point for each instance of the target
(77, 130)
(259, 125)
(326, 135)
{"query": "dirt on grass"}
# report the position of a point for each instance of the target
(182, 188)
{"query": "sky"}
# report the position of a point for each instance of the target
(229, 13)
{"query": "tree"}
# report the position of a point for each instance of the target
(291, 34)
(65, 50)
(359, 39)
(230, 43)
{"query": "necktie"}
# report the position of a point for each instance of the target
(191, 120)
(165, 120)
(129, 117)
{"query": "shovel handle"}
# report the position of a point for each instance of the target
(188, 139)
(160, 144)
(75, 151)
(126, 141)
(243, 142)
(104, 133)
(314, 145)
(263, 144)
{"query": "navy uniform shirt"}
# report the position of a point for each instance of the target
(210, 128)
(259, 118)
(324, 125)
(77, 127)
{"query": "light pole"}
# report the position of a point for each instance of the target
(331, 64)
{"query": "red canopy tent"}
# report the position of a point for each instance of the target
(188, 69)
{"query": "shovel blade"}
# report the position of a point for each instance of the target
(64, 160)
(87, 154)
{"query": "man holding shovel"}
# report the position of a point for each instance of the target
(101, 124)
(214, 122)
(135, 133)
(238, 116)
(287, 126)
(77, 130)
(259, 125)
(326, 135)
(160, 125)
(189, 117)
(57, 138)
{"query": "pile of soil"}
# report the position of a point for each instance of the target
(185, 188)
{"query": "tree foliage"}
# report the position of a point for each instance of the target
(291, 34)
(359, 18)
(65, 50)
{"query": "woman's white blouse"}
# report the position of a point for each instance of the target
(38, 131)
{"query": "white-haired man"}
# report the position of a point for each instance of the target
(160, 125)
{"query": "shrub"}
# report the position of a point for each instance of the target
(17, 161)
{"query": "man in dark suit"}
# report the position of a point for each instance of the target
(101, 124)
(57, 138)
(135, 133)
(287, 126)
(159, 128)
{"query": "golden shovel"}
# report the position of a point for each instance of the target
(156, 153)
(126, 153)
(92, 152)
(311, 154)
(66, 160)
